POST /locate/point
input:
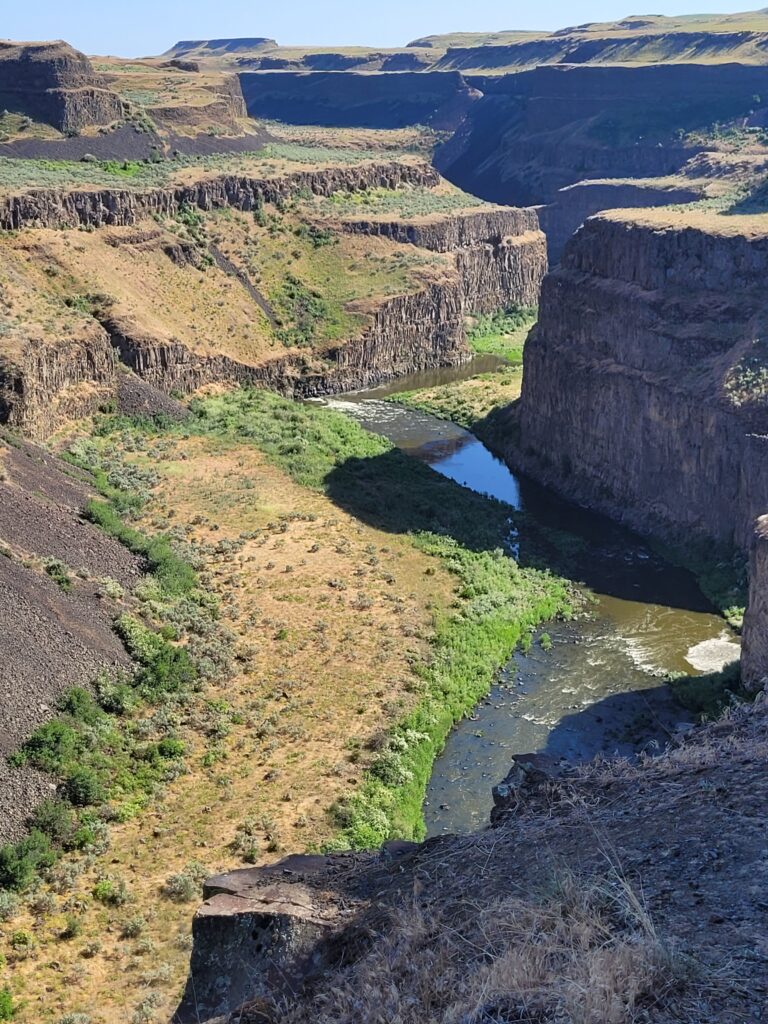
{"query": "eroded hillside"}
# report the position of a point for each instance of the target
(313, 281)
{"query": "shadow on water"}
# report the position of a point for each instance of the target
(401, 494)
(594, 686)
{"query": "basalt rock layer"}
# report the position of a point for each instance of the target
(641, 394)
(467, 263)
(54, 83)
(537, 133)
(375, 100)
(97, 208)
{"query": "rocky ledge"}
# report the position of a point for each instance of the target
(443, 930)
(96, 208)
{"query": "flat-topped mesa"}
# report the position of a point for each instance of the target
(644, 391)
(113, 207)
(54, 83)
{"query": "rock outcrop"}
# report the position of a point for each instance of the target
(374, 100)
(413, 932)
(754, 659)
(642, 393)
(54, 83)
(97, 208)
(49, 380)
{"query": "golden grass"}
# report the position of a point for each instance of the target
(325, 669)
(586, 954)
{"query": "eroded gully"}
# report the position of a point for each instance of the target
(600, 688)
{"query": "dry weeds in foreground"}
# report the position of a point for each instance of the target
(585, 954)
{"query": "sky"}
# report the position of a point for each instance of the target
(146, 27)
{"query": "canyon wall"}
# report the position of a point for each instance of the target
(536, 134)
(54, 83)
(97, 208)
(53, 379)
(498, 259)
(642, 392)
(371, 100)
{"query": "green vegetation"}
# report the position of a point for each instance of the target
(406, 202)
(18, 174)
(708, 696)
(466, 402)
(6, 1004)
(305, 309)
(498, 603)
(503, 333)
(113, 751)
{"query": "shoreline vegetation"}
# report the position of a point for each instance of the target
(498, 606)
(502, 334)
(128, 752)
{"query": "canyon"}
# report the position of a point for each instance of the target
(244, 616)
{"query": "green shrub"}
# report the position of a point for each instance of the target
(84, 787)
(181, 887)
(73, 927)
(51, 747)
(111, 892)
(7, 1009)
(59, 573)
(9, 905)
(20, 862)
(55, 819)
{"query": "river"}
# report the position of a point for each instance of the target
(599, 689)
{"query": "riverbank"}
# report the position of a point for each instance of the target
(358, 637)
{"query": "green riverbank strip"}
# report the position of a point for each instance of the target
(499, 603)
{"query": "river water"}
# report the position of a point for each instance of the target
(599, 689)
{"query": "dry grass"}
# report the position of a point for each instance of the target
(321, 672)
(587, 953)
(48, 276)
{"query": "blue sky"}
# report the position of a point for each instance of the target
(143, 27)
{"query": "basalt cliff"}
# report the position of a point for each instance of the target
(483, 259)
(643, 391)
(54, 83)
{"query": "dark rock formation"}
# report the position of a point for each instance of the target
(123, 207)
(279, 943)
(500, 258)
(636, 395)
(50, 380)
(754, 660)
(374, 100)
(54, 83)
(536, 133)
(52, 639)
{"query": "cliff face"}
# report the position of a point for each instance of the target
(55, 83)
(371, 100)
(51, 380)
(500, 254)
(754, 659)
(488, 259)
(98, 208)
(536, 133)
(638, 394)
